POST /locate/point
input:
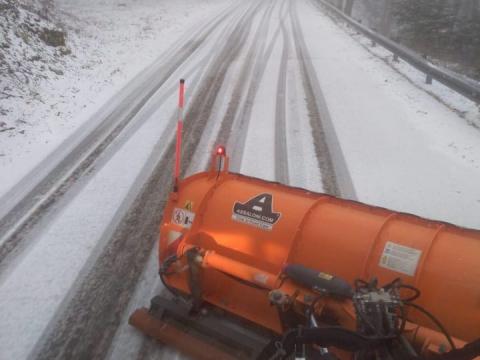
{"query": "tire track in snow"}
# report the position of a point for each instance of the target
(229, 128)
(151, 348)
(28, 212)
(85, 327)
(151, 285)
(281, 152)
(335, 176)
(9, 262)
(238, 137)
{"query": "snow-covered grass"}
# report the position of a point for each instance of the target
(28, 58)
(466, 108)
(110, 42)
(405, 150)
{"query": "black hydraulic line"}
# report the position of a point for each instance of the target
(469, 352)
(164, 272)
(403, 316)
(436, 321)
(416, 291)
(174, 292)
(407, 346)
(194, 282)
(311, 308)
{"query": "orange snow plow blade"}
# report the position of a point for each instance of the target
(249, 247)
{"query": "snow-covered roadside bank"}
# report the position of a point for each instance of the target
(110, 42)
(467, 109)
(404, 149)
(99, 205)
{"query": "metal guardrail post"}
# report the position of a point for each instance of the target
(348, 7)
(429, 79)
(469, 89)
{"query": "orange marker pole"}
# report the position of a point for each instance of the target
(178, 148)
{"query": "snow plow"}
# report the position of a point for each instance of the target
(259, 270)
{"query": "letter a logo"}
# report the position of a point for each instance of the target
(258, 212)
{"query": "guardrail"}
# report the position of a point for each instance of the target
(464, 87)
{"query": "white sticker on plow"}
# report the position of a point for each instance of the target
(183, 217)
(400, 258)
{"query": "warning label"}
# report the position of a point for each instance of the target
(188, 205)
(257, 212)
(183, 217)
(400, 258)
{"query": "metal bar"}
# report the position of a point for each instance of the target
(464, 87)
(178, 146)
(242, 271)
(173, 336)
(240, 338)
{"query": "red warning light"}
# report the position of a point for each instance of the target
(221, 150)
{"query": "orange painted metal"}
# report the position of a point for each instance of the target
(239, 270)
(341, 237)
(173, 336)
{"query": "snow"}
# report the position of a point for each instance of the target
(303, 164)
(260, 140)
(79, 230)
(404, 149)
(201, 158)
(111, 42)
(128, 341)
(464, 107)
(65, 246)
(82, 226)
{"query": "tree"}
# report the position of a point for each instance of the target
(447, 30)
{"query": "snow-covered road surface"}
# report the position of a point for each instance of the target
(404, 150)
(295, 99)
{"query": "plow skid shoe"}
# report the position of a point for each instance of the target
(203, 336)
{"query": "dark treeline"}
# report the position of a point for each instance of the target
(445, 30)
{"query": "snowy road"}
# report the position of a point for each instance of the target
(275, 81)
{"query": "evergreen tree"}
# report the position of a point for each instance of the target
(443, 30)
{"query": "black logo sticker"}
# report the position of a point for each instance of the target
(257, 212)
